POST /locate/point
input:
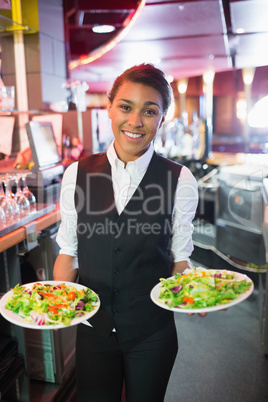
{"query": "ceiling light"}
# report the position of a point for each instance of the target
(182, 85)
(248, 75)
(208, 77)
(240, 30)
(103, 28)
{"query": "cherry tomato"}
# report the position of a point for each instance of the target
(188, 299)
(53, 309)
(71, 296)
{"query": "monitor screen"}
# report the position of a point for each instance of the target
(43, 144)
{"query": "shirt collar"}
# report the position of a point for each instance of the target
(140, 164)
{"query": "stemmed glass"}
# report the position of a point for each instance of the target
(20, 199)
(2, 219)
(8, 204)
(2, 193)
(27, 193)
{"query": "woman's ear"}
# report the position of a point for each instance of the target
(109, 105)
(162, 121)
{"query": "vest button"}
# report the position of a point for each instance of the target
(116, 291)
(115, 311)
(116, 271)
(117, 250)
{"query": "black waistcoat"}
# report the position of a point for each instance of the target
(122, 257)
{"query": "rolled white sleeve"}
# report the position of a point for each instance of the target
(67, 237)
(183, 214)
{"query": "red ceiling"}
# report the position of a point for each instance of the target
(183, 38)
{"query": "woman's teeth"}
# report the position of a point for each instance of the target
(132, 135)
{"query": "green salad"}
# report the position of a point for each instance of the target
(201, 288)
(50, 304)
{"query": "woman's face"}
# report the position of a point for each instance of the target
(136, 114)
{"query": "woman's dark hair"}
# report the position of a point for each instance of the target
(145, 74)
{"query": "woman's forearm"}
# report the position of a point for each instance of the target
(64, 269)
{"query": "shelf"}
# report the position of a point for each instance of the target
(8, 26)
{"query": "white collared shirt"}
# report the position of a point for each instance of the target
(125, 180)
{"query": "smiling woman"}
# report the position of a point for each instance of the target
(136, 228)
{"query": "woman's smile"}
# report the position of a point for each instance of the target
(132, 135)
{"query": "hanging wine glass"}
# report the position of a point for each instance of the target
(28, 194)
(13, 185)
(2, 219)
(2, 193)
(9, 206)
(20, 199)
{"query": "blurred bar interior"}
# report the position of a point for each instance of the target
(54, 76)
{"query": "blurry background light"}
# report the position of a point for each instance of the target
(170, 112)
(258, 116)
(182, 85)
(208, 76)
(170, 78)
(103, 28)
(248, 75)
(241, 109)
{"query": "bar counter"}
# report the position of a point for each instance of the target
(19, 235)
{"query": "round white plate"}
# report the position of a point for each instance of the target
(155, 292)
(17, 320)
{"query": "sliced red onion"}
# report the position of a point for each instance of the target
(42, 319)
(80, 305)
(38, 318)
(176, 289)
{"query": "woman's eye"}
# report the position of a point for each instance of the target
(125, 107)
(150, 112)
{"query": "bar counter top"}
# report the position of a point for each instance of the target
(18, 235)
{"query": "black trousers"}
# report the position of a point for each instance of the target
(103, 364)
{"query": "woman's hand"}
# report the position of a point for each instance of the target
(200, 314)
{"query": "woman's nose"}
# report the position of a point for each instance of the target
(135, 120)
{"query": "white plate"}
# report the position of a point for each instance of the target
(17, 320)
(155, 292)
